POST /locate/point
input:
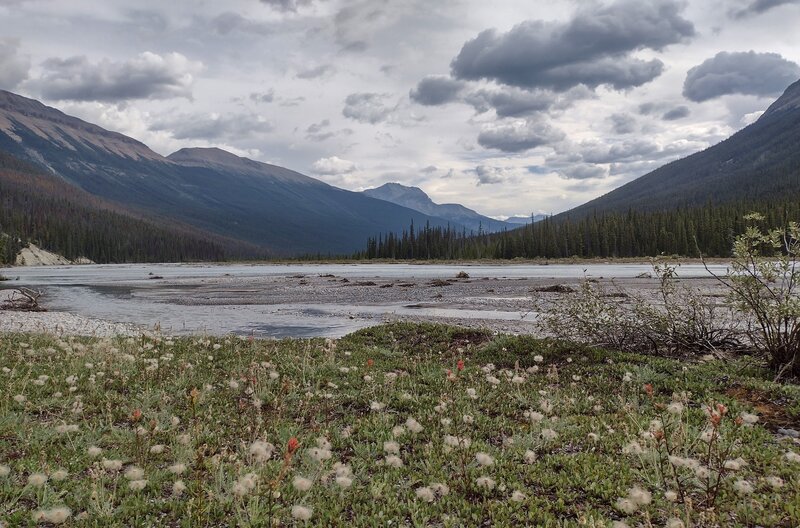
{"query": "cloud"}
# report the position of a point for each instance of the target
(366, 107)
(228, 22)
(313, 73)
(593, 49)
(622, 123)
(13, 67)
(436, 90)
(519, 136)
(511, 102)
(583, 172)
(146, 76)
(746, 73)
(679, 112)
(287, 5)
(756, 7)
(214, 126)
(488, 175)
(263, 97)
(333, 166)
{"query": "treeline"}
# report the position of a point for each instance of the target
(630, 234)
(44, 210)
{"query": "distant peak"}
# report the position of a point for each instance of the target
(790, 100)
(398, 189)
(211, 156)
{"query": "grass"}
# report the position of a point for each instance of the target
(571, 443)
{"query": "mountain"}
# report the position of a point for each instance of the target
(759, 162)
(522, 220)
(415, 198)
(283, 211)
(42, 209)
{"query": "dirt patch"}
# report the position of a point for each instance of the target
(555, 288)
(771, 412)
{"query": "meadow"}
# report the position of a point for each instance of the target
(397, 425)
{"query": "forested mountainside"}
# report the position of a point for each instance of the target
(40, 208)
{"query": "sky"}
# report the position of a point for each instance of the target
(511, 107)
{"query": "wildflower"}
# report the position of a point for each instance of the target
(293, 444)
(743, 487)
(233, 384)
(376, 406)
(66, 428)
(549, 434)
(398, 431)
(472, 393)
(319, 454)
(37, 479)
(735, 464)
(57, 515)
(394, 461)
(492, 380)
(391, 447)
(4, 471)
(301, 483)
(137, 485)
(627, 378)
(112, 465)
(639, 496)
(59, 475)
(518, 380)
(157, 449)
(425, 493)
(134, 473)
(534, 416)
(178, 487)
(94, 451)
(261, 451)
(19, 398)
(674, 522)
(439, 488)
(413, 425)
(748, 419)
(344, 481)
(518, 496)
(484, 459)
(485, 482)
(302, 513)
(468, 419)
(184, 439)
(671, 496)
(675, 408)
(529, 457)
(626, 505)
(775, 482)
(245, 484)
(460, 365)
(537, 358)
(177, 469)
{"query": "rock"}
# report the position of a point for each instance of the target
(36, 256)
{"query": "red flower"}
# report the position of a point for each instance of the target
(293, 444)
(648, 389)
(370, 362)
(136, 415)
(460, 364)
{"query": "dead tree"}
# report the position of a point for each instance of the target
(23, 300)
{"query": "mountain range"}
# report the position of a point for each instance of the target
(416, 199)
(759, 162)
(277, 209)
(205, 203)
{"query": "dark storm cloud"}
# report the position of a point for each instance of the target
(313, 73)
(263, 97)
(366, 107)
(519, 136)
(488, 175)
(593, 49)
(286, 5)
(436, 90)
(214, 127)
(622, 123)
(13, 67)
(756, 7)
(679, 112)
(511, 102)
(746, 73)
(146, 76)
(583, 172)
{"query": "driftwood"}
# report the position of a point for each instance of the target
(23, 300)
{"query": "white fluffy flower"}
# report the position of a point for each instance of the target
(485, 482)
(518, 496)
(394, 461)
(302, 513)
(743, 487)
(391, 447)
(301, 483)
(425, 493)
(484, 459)
(413, 425)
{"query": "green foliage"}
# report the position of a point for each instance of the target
(218, 414)
(681, 231)
(763, 283)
